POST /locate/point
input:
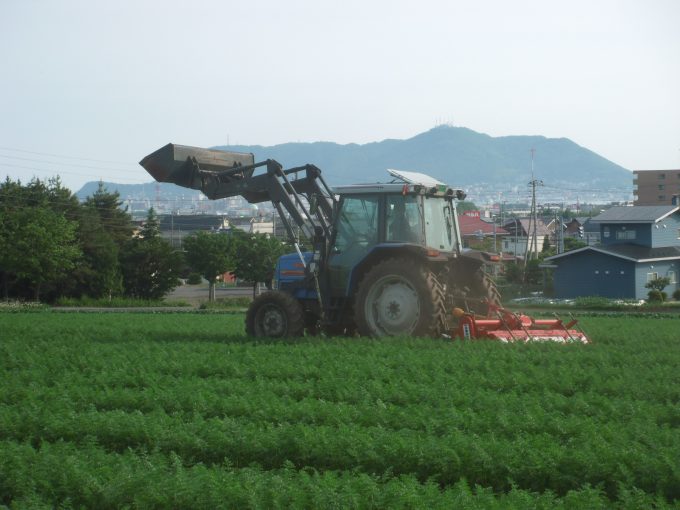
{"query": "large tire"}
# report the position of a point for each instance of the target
(490, 291)
(275, 314)
(400, 297)
(482, 292)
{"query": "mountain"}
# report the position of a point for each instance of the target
(456, 155)
(145, 191)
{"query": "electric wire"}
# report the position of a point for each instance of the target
(63, 156)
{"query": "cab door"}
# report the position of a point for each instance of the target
(356, 233)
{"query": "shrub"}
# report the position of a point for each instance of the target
(194, 279)
(655, 296)
(676, 295)
(592, 302)
(227, 303)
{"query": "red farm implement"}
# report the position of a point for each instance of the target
(507, 326)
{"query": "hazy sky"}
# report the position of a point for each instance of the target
(114, 81)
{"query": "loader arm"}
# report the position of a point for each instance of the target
(223, 174)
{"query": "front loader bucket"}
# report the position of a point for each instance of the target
(180, 164)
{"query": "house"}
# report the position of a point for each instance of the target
(517, 241)
(474, 230)
(175, 227)
(638, 245)
(584, 229)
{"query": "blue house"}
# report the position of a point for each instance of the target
(638, 244)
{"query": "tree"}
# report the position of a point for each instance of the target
(150, 266)
(658, 283)
(656, 287)
(211, 255)
(514, 272)
(571, 243)
(115, 220)
(256, 258)
(533, 275)
(40, 247)
(546, 245)
(98, 275)
(465, 205)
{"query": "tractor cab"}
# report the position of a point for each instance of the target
(417, 215)
(408, 212)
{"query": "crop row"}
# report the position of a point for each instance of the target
(198, 397)
(515, 413)
(596, 454)
(66, 475)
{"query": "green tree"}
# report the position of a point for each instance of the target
(149, 265)
(656, 287)
(514, 272)
(98, 275)
(116, 221)
(37, 242)
(533, 275)
(465, 205)
(571, 243)
(211, 255)
(658, 283)
(256, 258)
(547, 247)
(39, 247)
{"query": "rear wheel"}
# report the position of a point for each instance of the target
(399, 297)
(275, 314)
(480, 292)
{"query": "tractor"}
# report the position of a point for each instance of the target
(381, 259)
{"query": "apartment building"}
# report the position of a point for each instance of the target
(655, 187)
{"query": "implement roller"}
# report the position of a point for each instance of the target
(506, 326)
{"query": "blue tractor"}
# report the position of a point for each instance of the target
(382, 259)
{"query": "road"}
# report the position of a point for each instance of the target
(196, 294)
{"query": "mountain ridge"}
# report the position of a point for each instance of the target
(456, 155)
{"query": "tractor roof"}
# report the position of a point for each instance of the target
(404, 182)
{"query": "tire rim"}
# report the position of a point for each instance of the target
(271, 321)
(392, 306)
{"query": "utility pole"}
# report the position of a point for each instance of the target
(532, 232)
(561, 248)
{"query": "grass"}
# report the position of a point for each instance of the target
(226, 303)
(183, 410)
(119, 302)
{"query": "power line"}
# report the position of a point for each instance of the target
(65, 157)
(66, 172)
(69, 164)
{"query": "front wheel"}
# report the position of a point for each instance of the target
(275, 314)
(400, 297)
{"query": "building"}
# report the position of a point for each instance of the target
(655, 187)
(474, 230)
(517, 240)
(584, 229)
(174, 227)
(639, 244)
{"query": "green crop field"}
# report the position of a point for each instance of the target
(142, 410)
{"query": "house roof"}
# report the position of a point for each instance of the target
(632, 252)
(636, 214)
(471, 226)
(190, 222)
(541, 228)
